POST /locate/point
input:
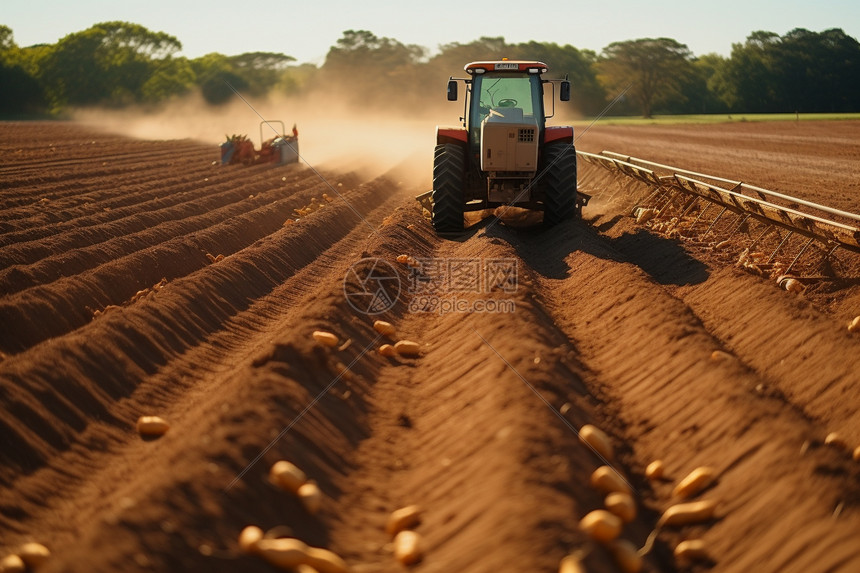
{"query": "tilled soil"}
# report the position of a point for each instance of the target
(139, 278)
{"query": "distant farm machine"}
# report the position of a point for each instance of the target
(504, 154)
(280, 149)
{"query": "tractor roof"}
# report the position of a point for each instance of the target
(505, 65)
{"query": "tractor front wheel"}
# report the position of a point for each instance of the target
(559, 171)
(449, 177)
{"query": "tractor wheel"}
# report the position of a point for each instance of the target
(559, 161)
(449, 177)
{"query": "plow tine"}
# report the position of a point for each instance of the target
(778, 247)
(714, 222)
(796, 258)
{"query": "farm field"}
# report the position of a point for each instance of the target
(140, 277)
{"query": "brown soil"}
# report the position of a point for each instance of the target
(606, 323)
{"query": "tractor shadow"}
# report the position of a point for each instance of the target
(547, 250)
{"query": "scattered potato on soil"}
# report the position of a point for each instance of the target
(684, 513)
(836, 440)
(325, 338)
(601, 525)
(856, 455)
(607, 480)
(403, 259)
(691, 550)
(645, 215)
(696, 481)
(12, 564)
(407, 547)
(855, 325)
(626, 555)
(34, 555)
(152, 426)
(407, 348)
(403, 518)
(384, 328)
(311, 497)
(287, 476)
(598, 440)
(387, 350)
(720, 355)
(249, 537)
(285, 553)
(622, 505)
(325, 561)
(571, 564)
(655, 470)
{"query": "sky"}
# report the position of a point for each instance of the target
(306, 30)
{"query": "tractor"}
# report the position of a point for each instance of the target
(504, 154)
(280, 149)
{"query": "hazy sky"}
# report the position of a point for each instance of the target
(306, 30)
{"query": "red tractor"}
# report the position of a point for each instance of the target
(504, 154)
(280, 149)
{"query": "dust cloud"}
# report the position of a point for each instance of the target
(333, 134)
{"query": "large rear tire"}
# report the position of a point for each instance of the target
(559, 183)
(449, 178)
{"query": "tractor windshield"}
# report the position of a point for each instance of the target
(494, 90)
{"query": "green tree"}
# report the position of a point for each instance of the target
(21, 94)
(655, 69)
(108, 63)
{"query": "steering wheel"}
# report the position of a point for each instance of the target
(507, 103)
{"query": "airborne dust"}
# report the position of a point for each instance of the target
(334, 134)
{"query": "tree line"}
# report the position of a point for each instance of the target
(117, 64)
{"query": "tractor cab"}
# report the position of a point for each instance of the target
(504, 153)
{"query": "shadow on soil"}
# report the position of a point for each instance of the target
(546, 250)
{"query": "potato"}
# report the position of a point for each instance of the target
(34, 555)
(696, 481)
(855, 325)
(690, 550)
(595, 438)
(311, 497)
(325, 338)
(684, 513)
(571, 564)
(12, 564)
(407, 348)
(325, 561)
(249, 538)
(601, 525)
(152, 426)
(387, 350)
(403, 259)
(403, 518)
(384, 328)
(655, 470)
(622, 505)
(407, 547)
(856, 455)
(626, 555)
(720, 356)
(287, 476)
(836, 440)
(285, 552)
(608, 480)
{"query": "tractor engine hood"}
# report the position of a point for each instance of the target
(509, 141)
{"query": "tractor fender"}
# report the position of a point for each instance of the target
(558, 134)
(451, 135)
